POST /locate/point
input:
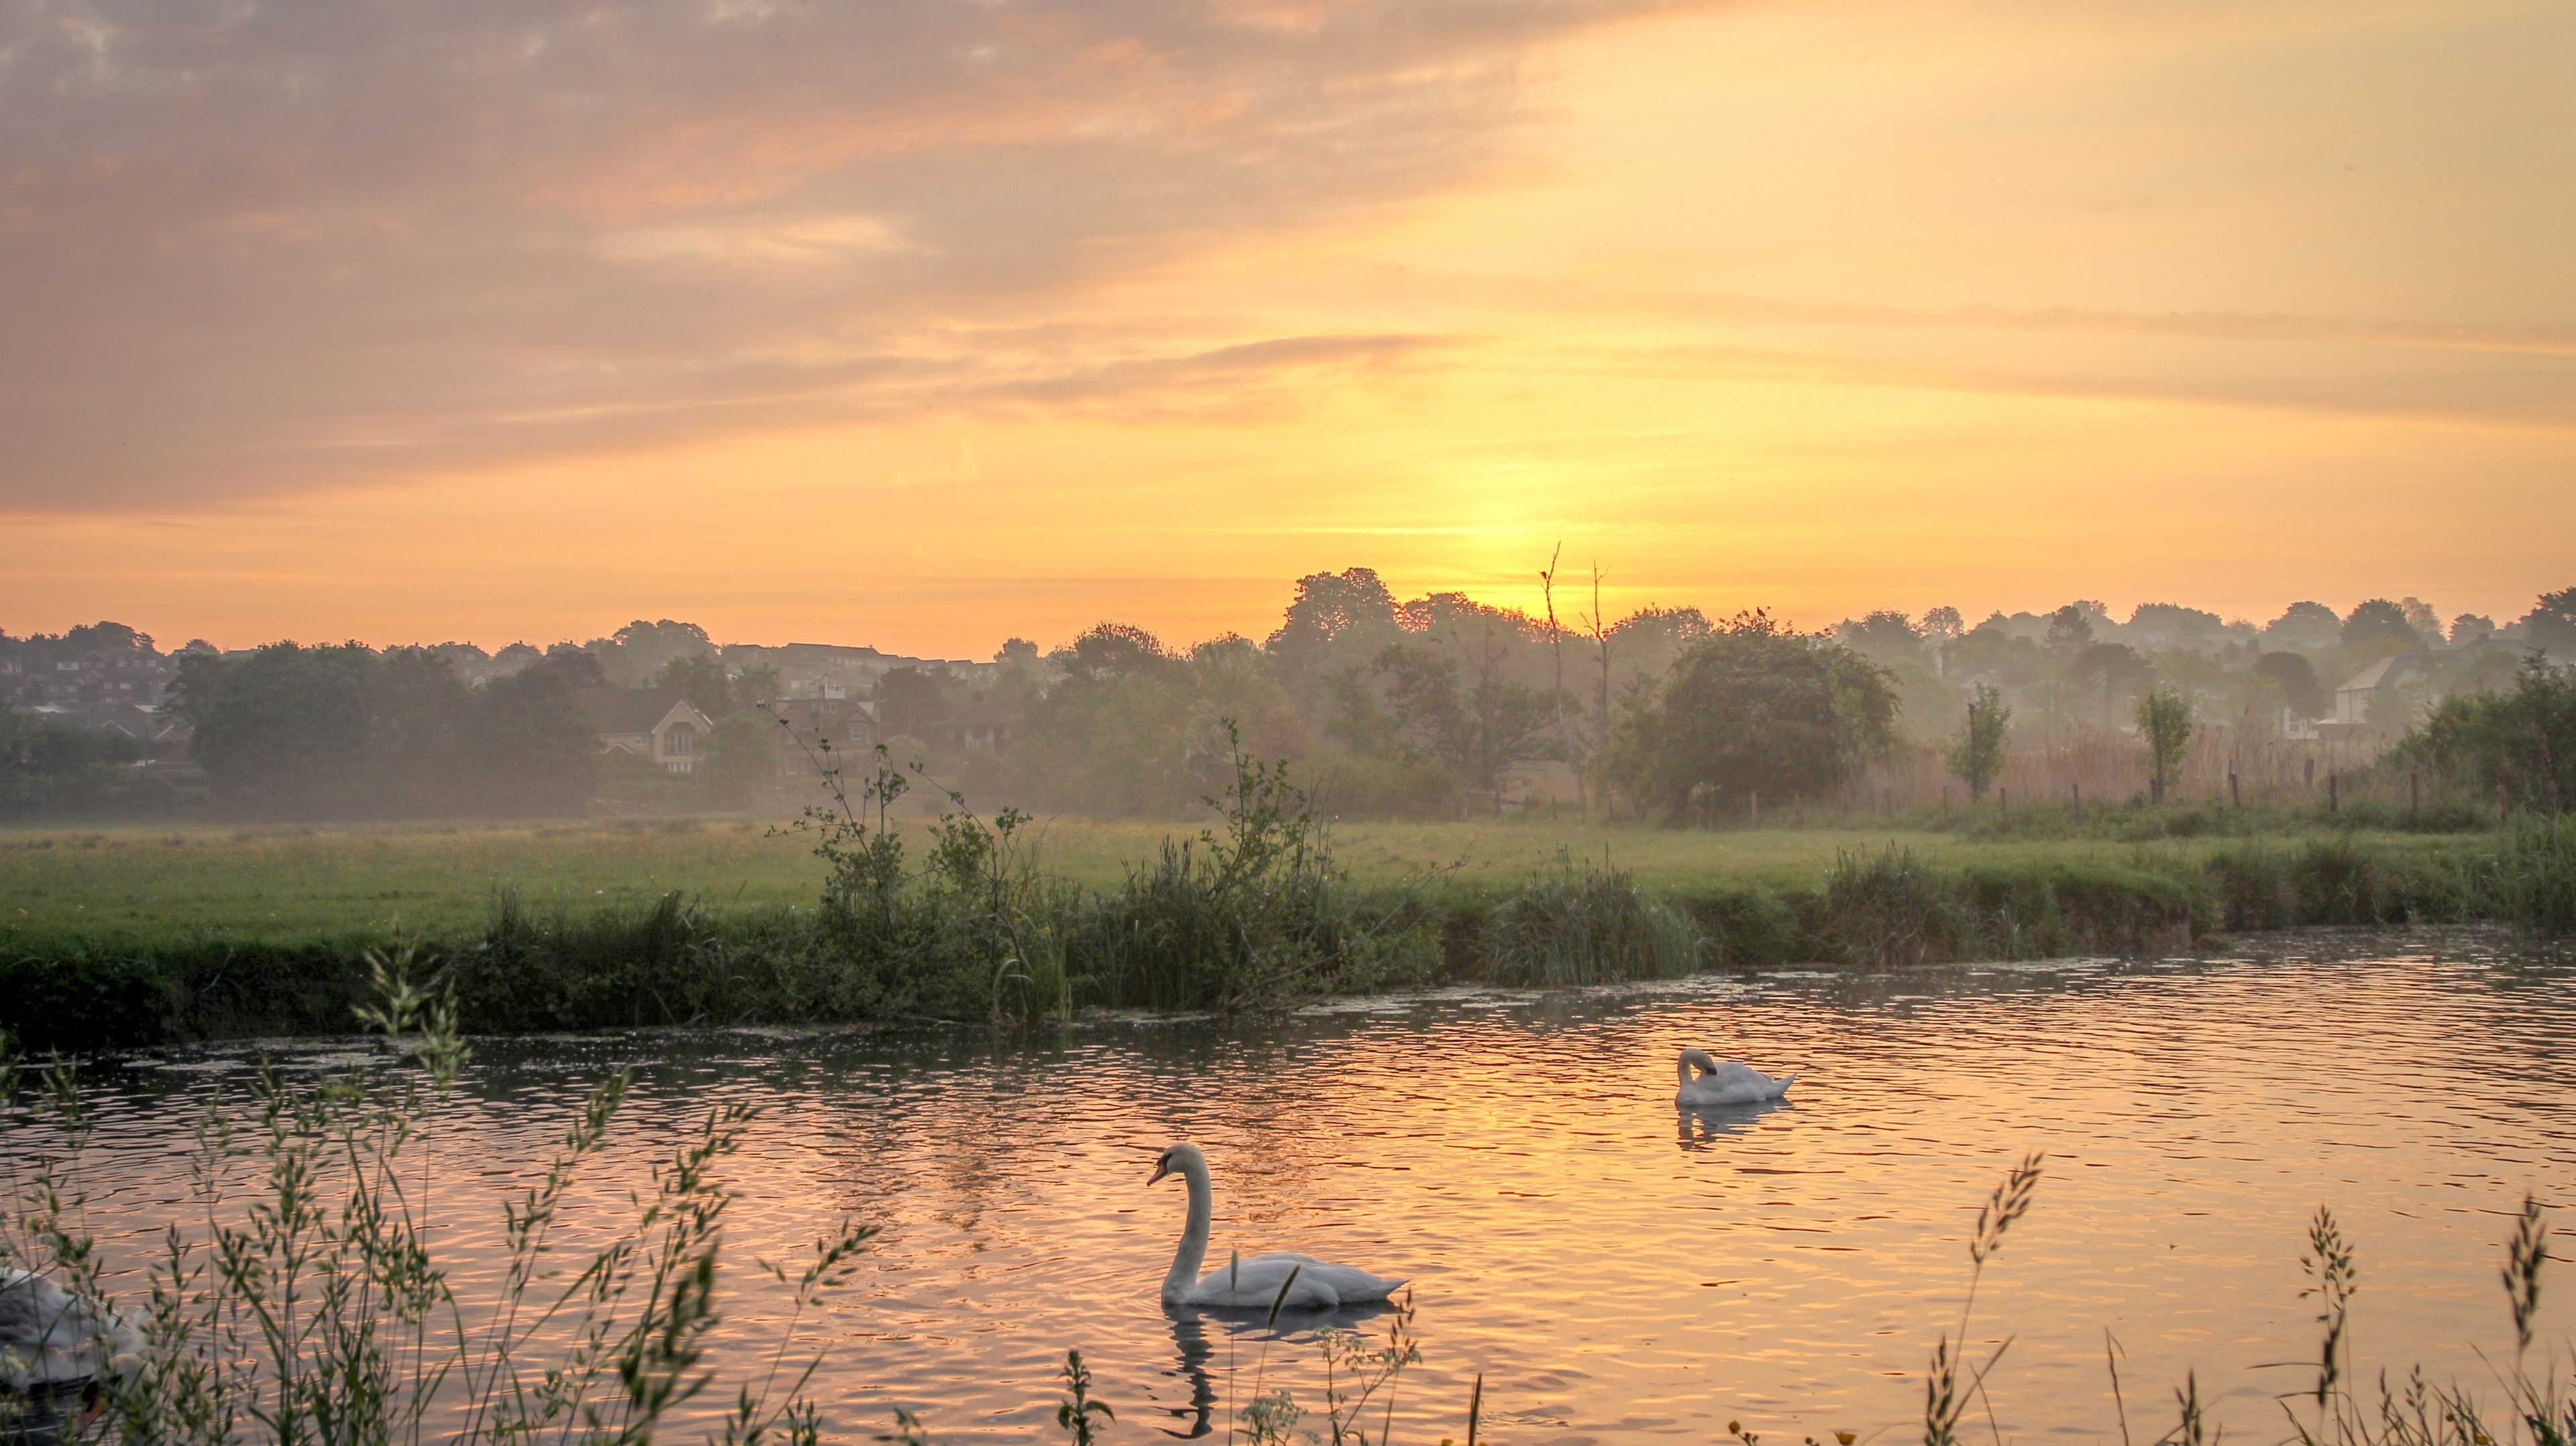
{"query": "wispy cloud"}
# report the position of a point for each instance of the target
(246, 247)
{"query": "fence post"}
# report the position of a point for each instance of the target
(2331, 801)
(2003, 800)
(2235, 795)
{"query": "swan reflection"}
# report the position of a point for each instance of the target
(1701, 1126)
(1246, 1330)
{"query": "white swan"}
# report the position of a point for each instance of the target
(55, 1351)
(1250, 1281)
(1706, 1081)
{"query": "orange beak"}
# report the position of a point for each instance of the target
(1160, 1170)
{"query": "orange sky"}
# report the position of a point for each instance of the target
(924, 326)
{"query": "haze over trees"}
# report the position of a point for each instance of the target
(1434, 706)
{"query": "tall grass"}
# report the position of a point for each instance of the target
(1586, 923)
(309, 1309)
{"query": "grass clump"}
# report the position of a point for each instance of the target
(1589, 924)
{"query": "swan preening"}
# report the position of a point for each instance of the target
(55, 1349)
(1707, 1080)
(1251, 1281)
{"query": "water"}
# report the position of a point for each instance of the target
(1616, 1271)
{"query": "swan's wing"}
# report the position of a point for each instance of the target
(1253, 1284)
(1733, 1084)
(48, 1334)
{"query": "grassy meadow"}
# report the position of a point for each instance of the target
(294, 884)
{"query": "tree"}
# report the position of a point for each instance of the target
(1884, 636)
(2551, 624)
(2378, 627)
(2113, 668)
(2305, 626)
(288, 727)
(2296, 677)
(1752, 709)
(701, 678)
(533, 749)
(1976, 756)
(2070, 628)
(2521, 744)
(2164, 725)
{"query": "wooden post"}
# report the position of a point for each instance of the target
(2235, 795)
(2077, 789)
(1756, 797)
(2331, 800)
(2414, 794)
(2003, 800)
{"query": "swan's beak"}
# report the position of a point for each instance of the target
(1160, 1170)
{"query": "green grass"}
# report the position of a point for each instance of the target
(300, 885)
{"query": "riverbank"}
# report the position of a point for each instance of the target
(153, 938)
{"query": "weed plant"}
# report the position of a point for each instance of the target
(1586, 923)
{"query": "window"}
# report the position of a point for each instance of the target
(681, 741)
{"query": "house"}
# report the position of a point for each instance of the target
(2354, 700)
(655, 725)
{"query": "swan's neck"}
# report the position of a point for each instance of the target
(1194, 1235)
(1694, 1063)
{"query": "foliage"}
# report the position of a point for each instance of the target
(312, 1307)
(1246, 915)
(1752, 709)
(1977, 754)
(2378, 627)
(2164, 726)
(2296, 678)
(343, 730)
(2519, 746)
(52, 768)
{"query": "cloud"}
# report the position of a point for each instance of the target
(247, 247)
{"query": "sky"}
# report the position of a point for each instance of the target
(927, 323)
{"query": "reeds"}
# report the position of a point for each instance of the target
(1587, 923)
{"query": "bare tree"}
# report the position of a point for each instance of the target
(1556, 652)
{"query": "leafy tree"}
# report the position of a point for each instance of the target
(2112, 668)
(1752, 709)
(2304, 626)
(910, 700)
(2296, 677)
(532, 748)
(2070, 628)
(340, 730)
(2520, 743)
(1883, 635)
(287, 727)
(2551, 624)
(2164, 725)
(701, 678)
(1943, 626)
(2377, 628)
(49, 767)
(1336, 622)
(576, 665)
(1976, 756)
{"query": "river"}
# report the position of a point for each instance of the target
(1615, 1270)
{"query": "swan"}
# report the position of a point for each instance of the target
(1706, 1080)
(1250, 1281)
(55, 1349)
